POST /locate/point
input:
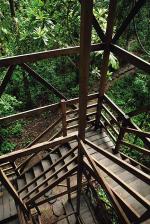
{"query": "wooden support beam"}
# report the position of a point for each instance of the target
(64, 122)
(138, 132)
(7, 78)
(128, 19)
(12, 156)
(97, 28)
(21, 216)
(130, 58)
(135, 171)
(105, 60)
(122, 216)
(36, 76)
(43, 109)
(33, 57)
(69, 189)
(85, 45)
(139, 111)
(121, 135)
(79, 177)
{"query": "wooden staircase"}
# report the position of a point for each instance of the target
(128, 181)
(44, 175)
(45, 170)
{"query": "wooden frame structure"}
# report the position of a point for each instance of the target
(106, 114)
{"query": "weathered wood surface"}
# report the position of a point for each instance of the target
(103, 141)
(7, 206)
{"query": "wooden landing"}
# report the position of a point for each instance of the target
(115, 166)
(8, 212)
(123, 169)
(63, 211)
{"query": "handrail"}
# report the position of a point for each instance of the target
(28, 113)
(39, 110)
(124, 125)
(50, 168)
(12, 191)
(50, 127)
(122, 216)
(12, 156)
(135, 171)
(33, 57)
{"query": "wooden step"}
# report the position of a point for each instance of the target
(68, 209)
(63, 151)
(85, 213)
(7, 205)
(63, 221)
(21, 182)
(29, 176)
(54, 158)
(46, 164)
(37, 169)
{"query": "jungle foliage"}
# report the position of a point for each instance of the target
(36, 25)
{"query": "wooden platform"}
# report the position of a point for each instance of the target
(63, 211)
(117, 165)
(8, 212)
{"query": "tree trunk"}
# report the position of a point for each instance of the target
(12, 8)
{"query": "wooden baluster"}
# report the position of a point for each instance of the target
(121, 134)
(15, 168)
(68, 187)
(64, 123)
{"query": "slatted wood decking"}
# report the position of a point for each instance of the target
(128, 177)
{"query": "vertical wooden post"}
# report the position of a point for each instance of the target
(85, 47)
(120, 136)
(15, 167)
(68, 188)
(79, 176)
(64, 123)
(105, 61)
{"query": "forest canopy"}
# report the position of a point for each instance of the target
(36, 25)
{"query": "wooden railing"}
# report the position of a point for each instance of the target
(60, 127)
(115, 122)
(119, 127)
(83, 167)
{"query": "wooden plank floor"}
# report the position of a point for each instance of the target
(141, 187)
(7, 206)
(63, 211)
